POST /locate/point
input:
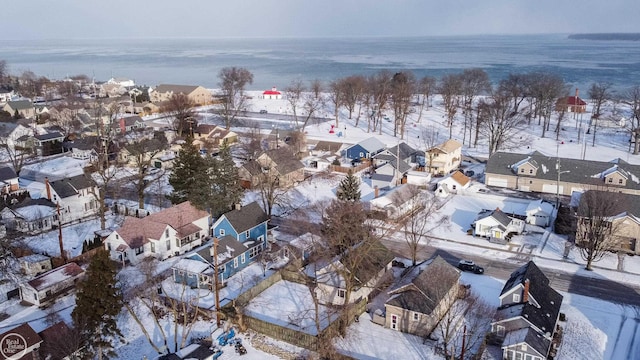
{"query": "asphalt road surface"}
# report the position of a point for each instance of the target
(600, 288)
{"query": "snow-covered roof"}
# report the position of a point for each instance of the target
(192, 266)
(56, 276)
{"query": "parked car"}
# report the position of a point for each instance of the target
(468, 265)
(263, 111)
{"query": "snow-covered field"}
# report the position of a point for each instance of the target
(594, 329)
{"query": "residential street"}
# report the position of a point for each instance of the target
(599, 288)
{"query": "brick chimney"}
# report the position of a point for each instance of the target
(577, 92)
(376, 191)
(48, 187)
(525, 293)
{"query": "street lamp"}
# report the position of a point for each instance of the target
(558, 167)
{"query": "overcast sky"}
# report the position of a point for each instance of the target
(40, 19)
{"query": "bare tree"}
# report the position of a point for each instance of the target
(352, 89)
(429, 139)
(16, 154)
(599, 93)
(633, 97)
(105, 167)
(450, 89)
(403, 87)
(336, 98)
(474, 82)
(272, 185)
(316, 88)
(252, 143)
(293, 94)
(546, 89)
(597, 229)
(426, 88)
(142, 154)
(499, 123)
(379, 87)
(464, 326)
(516, 86)
(4, 72)
(421, 219)
(312, 105)
(233, 81)
(181, 108)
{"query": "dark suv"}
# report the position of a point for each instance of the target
(468, 265)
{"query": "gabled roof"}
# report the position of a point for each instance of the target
(285, 161)
(328, 146)
(579, 171)
(253, 167)
(136, 232)
(6, 128)
(49, 136)
(378, 257)
(53, 339)
(496, 214)
(55, 276)
(229, 248)
(538, 281)
(83, 143)
(447, 147)
(20, 104)
(624, 203)
(371, 144)
(178, 215)
(247, 217)
(405, 152)
(70, 186)
(426, 291)
(527, 336)
(27, 333)
(571, 100)
(176, 89)
(460, 178)
(7, 173)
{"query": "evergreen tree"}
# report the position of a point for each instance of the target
(349, 188)
(98, 303)
(225, 183)
(189, 177)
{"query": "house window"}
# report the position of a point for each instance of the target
(516, 298)
(139, 250)
(530, 171)
(341, 293)
(610, 180)
(522, 171)
(518, 356)
(177, 243)
(416, 316)
(528, 357)
(247, 234)
(500, 330)
(453, 187)
(530, 181)
(243, 258)
(221, 232)
(153, 247)
(235, 262)
(620, 181)
(168, 245)
(117, 237)
(254, 251)
(166, 233)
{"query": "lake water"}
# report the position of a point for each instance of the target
(276, 62)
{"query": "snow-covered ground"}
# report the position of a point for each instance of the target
(594, 329)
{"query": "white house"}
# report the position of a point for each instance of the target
(34, 264)
(539, 213)
(272, 94)
(452, 184)
(122, 81)
(49, 285)
(496, 224)
(170, 232)
(419, 178)
(399, 201)
(77, 197)
(30, 216)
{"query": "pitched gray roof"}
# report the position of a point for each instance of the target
(328, 146)
(6, 128)
(579, 171)
(49, 136)
(497, 214)
(286, 162)
(20, 104)
(620, 203)
(405, 152)
(7, 173)
(246, 217)
(371, 144)
(176, 89)
(70, 186)
(427, 289)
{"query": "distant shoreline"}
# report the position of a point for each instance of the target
(606, 36)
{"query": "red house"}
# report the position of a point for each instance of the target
(571, 104)
(272, 94)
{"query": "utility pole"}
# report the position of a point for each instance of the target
(215, 281)
(60, 243)
(464, 337)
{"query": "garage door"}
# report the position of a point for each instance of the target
(497, 182)
(551, 188)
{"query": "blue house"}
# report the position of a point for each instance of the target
(364, 149)
(242, 235)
